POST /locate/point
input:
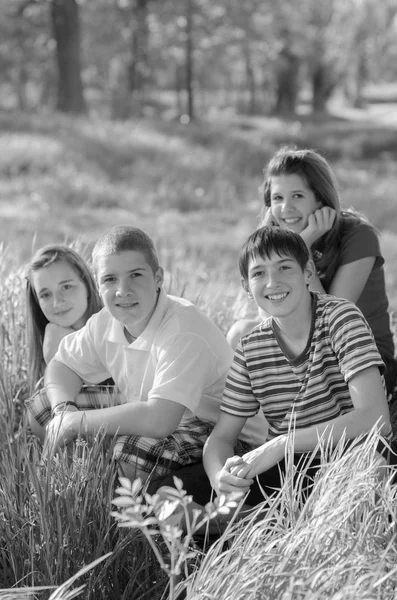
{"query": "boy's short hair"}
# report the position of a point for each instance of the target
(124, 237)
(269, 240)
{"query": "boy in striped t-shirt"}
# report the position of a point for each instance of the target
(312, 363)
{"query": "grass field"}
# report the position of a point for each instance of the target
(195, 190)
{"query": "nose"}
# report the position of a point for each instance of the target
(271, 279)
(58, 298)
(124, 288)
(287, 202)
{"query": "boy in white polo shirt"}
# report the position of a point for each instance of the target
(168, 360)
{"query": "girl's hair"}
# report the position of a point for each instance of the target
(36, 322)
(266, 241)
(319, 177)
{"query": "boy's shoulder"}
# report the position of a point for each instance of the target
(259, 332)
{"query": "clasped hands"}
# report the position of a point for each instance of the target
(238, 472)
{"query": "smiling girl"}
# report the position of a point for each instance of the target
(61, 295)
(300, 194)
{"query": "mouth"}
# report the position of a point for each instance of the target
(291, 220)
(62, 313)
(126, 306)
(277, 297)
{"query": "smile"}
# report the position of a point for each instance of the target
(276, 297)
(292, 220)
(129, 305)
(62, 312)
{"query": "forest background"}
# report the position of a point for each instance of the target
(162, 114)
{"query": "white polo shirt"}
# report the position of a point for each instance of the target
(180, 356)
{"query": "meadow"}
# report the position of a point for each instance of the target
(194, 189)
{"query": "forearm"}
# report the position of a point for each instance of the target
(215, 454)
(350, 425)
(61, 384)
(133, 418)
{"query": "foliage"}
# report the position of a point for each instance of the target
(241, 54)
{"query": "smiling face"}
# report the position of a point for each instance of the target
(61, 294)
(279, 285)
(129, 288)
(292, 202)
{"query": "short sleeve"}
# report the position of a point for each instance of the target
(352, 341)
(185, 367)
(78, 352)
(238, 397)
(361, 241)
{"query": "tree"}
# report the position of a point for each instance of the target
(65, 22)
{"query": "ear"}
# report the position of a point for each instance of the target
(309, 271)
(245, 286)
(159, 278)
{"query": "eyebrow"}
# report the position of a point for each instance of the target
(278, 262)
(59, 283)
(112, 274)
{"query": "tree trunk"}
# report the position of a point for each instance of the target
(66, 30)
(323, 85)
(138, 61)
(189, 61)
(287, 82)
(250, 78)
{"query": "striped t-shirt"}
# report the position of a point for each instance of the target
(311, 388)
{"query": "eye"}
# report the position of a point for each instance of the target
(257, 274)
(135, 275)
(277, 198)
(108, 279)
(44, 296)
(285, 268)
(67, 286)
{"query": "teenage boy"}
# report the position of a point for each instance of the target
(312, 365)
(167, 359)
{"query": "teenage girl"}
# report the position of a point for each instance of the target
(300, 194)
(61, 295)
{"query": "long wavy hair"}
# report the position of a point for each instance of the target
(36, 321)
(319, 177)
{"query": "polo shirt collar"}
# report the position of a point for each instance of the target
(115, 331)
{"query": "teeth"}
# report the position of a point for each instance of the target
(277, 296)
(292, 221)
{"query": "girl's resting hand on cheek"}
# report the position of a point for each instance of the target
(318, 224)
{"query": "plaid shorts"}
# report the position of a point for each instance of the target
(90, 398)
(181, 448)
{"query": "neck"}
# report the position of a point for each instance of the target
(297, 325)
(129, 337)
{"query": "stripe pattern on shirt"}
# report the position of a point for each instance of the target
(311, 388)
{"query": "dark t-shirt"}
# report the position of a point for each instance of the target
(360, 242)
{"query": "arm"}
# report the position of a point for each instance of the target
(370, 406)
(156, 418)
(61, 384)
(218, 456)
(52, 336)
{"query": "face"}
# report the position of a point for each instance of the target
(278, 284)
(62, 295)
(128, 288)
(292, 202)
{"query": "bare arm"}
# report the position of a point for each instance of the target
(52, 336)
(61, 384)
(370, 406)
(218, 455)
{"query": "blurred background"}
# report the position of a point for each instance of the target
(163, 113)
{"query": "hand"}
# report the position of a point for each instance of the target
(263, 458)
(227, 481)
(62, 428)
(318, 224)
